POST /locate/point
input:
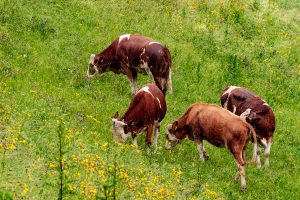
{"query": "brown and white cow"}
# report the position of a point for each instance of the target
(219, 127)
(133, 53)
(146, 110)
(256, 111)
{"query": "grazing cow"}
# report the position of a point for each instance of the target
(219, 127)
(134, 53)
(146, 110)
(256, 111)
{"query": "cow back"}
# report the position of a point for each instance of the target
(215, 124)
(147, 106)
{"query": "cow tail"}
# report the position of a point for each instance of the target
(169, 67)
(254, 139)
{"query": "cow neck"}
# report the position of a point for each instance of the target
(128, 128)
(128, 124)
(110, 52)
(182, 124)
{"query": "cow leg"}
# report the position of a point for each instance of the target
(201, 150)
(238, 156)
(132, 76)
(205, 155)
(267, 152)
(149, 137)
(170, 81)
(156, 135)
(134, 141)
(163, 84)
(157, 81)
(146, 67)
(258, 163)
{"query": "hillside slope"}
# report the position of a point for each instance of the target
(55, 123)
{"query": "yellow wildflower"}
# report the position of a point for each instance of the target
(72, 187)
(147, 192)
(25, 189)
(92, 192)
(23, 141)
(104, 146)
(52, 165)
(11, 147)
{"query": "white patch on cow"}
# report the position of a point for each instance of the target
(225, 104)
(265, 104)
(229, 92)
(143, 52)
(118, 131)
(123, 37)
(150, 43)
(134, 142)
(170, 82)
(241, 173)
(92, 58)
(133, 86)
(158, 102)
(91, 75)
(267, 154)
(91, 61)
(88, 74)
(230, 89)
(145, 66)
(146, 89)
(264, 142)
(246, 113)
(258, 163)
(200, 148)
(234, 109)
(156, 134)
(172, 137)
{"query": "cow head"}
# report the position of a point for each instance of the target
(249, 116)
(174, 135)
(97, 65)
(118, 127)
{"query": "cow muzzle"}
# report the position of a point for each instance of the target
(171, 141)
(92, 70)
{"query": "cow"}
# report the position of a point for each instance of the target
(145, 112)
(219, 127)
(133, 53)
(256, 111)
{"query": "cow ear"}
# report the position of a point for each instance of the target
(251, 117)
(116, 115)
(98, 59)
(174, 125)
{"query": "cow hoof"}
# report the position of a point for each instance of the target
(258, 166)
(206, 157)
(236, 179)
(266, 165)
(244, 189)
(148, 152)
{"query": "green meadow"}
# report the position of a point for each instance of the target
(55, 137)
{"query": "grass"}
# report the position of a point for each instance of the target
(55, 123)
